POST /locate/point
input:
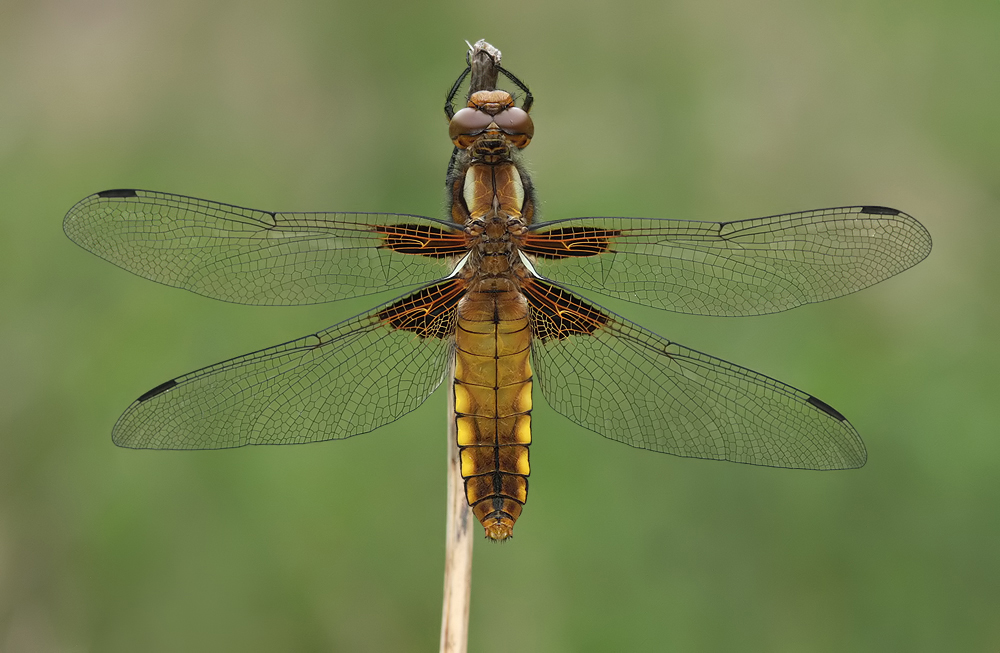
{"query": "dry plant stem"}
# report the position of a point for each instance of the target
(484, 60)
(458, 546)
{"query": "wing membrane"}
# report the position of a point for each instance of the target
(346, 380)
(628, 384)
(749, 267)
(259, 257)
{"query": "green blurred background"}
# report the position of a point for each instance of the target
(688, 109)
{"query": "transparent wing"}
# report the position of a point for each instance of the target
(349, 379)
(260, 257)
(628, 384)
(749, 267)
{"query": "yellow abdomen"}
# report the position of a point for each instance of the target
(493, 404)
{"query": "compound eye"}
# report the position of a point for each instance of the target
(468, 122)
(517, 123)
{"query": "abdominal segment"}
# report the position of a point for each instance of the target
(493, 406)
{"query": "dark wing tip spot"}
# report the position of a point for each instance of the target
(163, 387)
(879, 210)
(118, 192)
(826, 408)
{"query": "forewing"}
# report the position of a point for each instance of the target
(249, 256)
(349, 379)
(628, 384)
(749, 267)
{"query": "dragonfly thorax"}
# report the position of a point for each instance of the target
(494, 243)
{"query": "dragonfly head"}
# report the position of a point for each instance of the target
(491, 111)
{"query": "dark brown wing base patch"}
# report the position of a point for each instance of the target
(557, 314)
(422, 240)
(569, 241)
(429, 312)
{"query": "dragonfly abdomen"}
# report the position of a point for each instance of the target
(493, 404)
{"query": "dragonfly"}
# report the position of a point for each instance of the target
(491, 303)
